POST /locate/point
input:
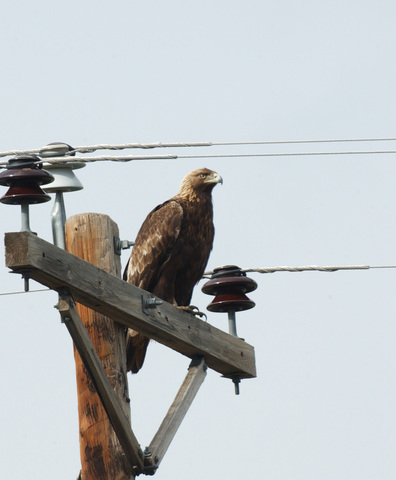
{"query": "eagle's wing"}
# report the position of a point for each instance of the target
(151, 251)
(154, 244)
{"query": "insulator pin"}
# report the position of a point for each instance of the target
(230, 285)
(65, 181)
(24, 176)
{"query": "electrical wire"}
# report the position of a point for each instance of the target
(290, 154)
(129, 158)
(105, 146)
(3, 294)
(108, 158)
(124, 146)
(307, 268)
(331, 140)
(102, 158)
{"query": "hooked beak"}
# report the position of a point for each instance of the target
(215, 178)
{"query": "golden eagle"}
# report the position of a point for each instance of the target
(172, 249)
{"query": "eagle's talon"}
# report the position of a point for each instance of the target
(194, 311)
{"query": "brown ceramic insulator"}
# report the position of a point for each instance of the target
(24, 177)
(229, 285)
(234, 302)
(24, 194)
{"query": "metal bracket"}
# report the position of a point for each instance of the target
(121, 245)
(150, 464)
(150, 303)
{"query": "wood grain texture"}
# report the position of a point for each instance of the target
(117, 415)
(177, 411)
(122, 302)
(90, 237)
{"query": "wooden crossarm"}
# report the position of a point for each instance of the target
(115, 298)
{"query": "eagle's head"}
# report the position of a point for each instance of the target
(199, 181)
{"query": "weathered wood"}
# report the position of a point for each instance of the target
(177, 411)
(90, 237)
(103, 387)
(121, 301)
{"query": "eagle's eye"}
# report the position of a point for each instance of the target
(202, 175)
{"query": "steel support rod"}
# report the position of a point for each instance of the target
(58, 220)
(232, 323)
(25, 227)
(233, 331)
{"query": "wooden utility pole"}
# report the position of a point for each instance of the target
(77, 280)
(91, 237)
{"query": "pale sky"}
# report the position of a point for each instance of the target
(85, 72)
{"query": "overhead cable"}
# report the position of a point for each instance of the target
(105, 146)
(331, 140)
(289, 154)
(129, 158)
(307, 268)
(3, 294)
(124, 146)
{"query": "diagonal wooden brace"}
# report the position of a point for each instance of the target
(120, 423)
(155, 452)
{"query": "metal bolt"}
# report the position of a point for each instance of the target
(121, 245)
(150, 303)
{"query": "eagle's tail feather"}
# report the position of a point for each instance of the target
(136, 347)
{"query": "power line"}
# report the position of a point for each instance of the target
(109, 158)
(129, 158)
(305, 268)
(331, 140)
(23, 291)
(145, 146)
(124, 146)
(102, 158)
(290, 154)
(106, 146)
(308, 268)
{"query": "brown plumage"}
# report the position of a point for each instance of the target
(172, 249)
